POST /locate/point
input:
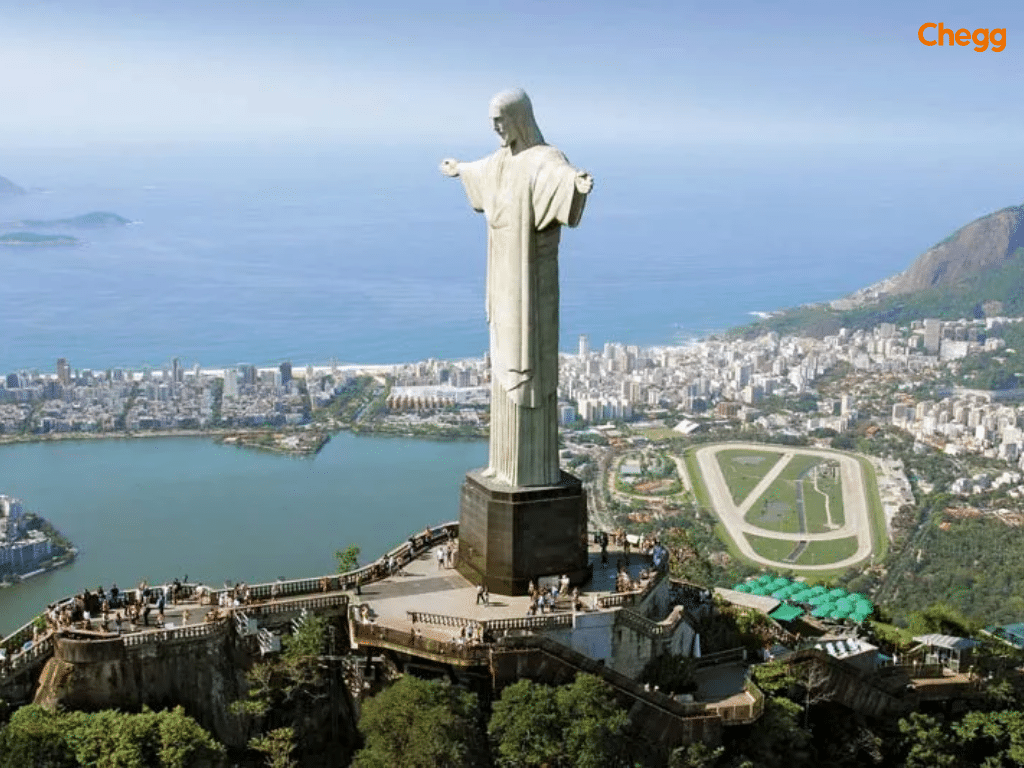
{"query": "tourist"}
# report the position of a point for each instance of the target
(603, 541)
(486, 596)
(441, 557)
(117, 621)
(479, 593)
(160, 603)
(114, 592)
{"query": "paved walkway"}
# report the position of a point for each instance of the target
(425, 588)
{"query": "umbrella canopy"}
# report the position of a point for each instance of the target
(837, 592)
(838, 613)
(802, 596)
(844, 603)
(765, 578)
(744, 587)
(760, 589)
(818, 589)
(821, 611)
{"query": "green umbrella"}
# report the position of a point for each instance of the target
(858, 596)
(821, 611)
(759, 590)
(818, 589)
(802, 596)
(765, 578)
(838, 613)
(837, 592)
(844, 603)
(744, 587)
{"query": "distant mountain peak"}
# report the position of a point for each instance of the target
(8, 187)
(985, 242)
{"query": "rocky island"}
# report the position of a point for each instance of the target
(94, 220)
(32, 239)
(294, 442)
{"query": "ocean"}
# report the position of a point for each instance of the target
(259, 255)
(262, 254)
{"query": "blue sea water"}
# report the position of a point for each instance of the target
(261, 254)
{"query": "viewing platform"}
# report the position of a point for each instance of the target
(419, 612)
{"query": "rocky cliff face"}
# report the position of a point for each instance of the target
(986, 242)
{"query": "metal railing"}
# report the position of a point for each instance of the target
(378, 634)
(13, 665)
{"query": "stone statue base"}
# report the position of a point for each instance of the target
(509, 535)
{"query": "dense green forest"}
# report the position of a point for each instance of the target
(973, 564)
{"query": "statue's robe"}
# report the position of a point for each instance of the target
(526, 198)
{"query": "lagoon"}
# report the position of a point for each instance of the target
(159, 508)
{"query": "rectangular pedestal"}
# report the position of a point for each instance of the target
(510, 535)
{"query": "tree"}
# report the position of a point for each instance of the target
(578, 725)
(348, 559)
(422, 724)
(39, 738)
(277, 745)
(696, 755)
(927, 743)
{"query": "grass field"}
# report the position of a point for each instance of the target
(657, 434)
(772, 549)
(776, 509)
(825, 552)
(743, 470)
(816, 552)
(879, 531)
(823, 496)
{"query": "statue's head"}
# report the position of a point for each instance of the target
(512, 115)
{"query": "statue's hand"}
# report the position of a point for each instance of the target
(450, 167)
(584, 182)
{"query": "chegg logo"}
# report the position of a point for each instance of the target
(980, 37)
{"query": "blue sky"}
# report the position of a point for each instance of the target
(655, 73)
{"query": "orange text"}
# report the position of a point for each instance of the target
(980, 37)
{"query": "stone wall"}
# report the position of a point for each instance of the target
(202, 672)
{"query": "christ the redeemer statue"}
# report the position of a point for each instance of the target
(526, 190)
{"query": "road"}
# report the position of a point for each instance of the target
(857, 522)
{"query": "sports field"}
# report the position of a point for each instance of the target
(790, 506)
